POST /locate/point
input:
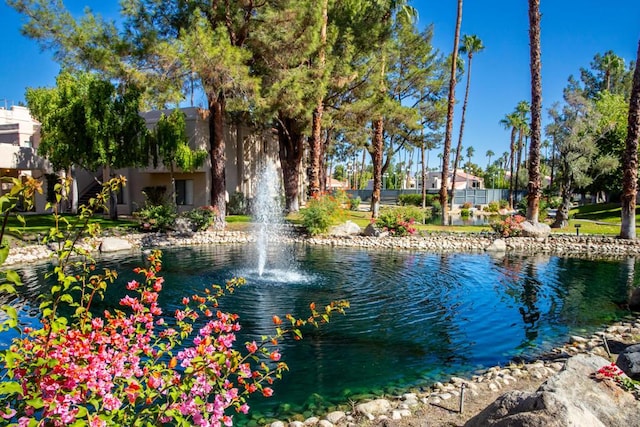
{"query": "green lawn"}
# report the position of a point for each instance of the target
(40, 224)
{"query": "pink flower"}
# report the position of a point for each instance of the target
(252, 347)
(275, 356)
(110, 402)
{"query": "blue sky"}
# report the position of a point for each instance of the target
(573, 31)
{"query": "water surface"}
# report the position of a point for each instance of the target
(415, 317)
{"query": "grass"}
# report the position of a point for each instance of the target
(40, 224)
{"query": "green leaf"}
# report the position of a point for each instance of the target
(10, 387)
(4, 252)
(13, 277)
(7, 288)
(12, 315)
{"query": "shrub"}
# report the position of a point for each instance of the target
(400, 221)
(156, 217)
(467, 205)
(511, 226)
(465, 213)
(201, 218)
(410, 199)
(354, 203)
(503, 203)
(416, 199)
(493, 206)
(542, 208)
(237, 204)
(129, 366)
(436, 207)
(320, 213)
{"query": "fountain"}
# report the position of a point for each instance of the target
(275, 260)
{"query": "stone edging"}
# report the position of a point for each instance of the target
(563, 245)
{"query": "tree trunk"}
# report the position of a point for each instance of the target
(518, 161)
(217, 153)
(450, 106)
(291, 148)
(630, 159)
(315, 151)
(511, 162)
(462, 117)
(566, 189)
(376, 157)
(533, 198)
(423, 177)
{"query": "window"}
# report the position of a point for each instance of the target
(184, 191)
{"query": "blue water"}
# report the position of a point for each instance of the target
(415, 317)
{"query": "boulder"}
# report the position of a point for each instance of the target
(372, 231)
(114, 244)
(629, 361)
(537, 230)
(335, 416)
(572, 397)
(348, 228)
(374, 407)
(498, 245)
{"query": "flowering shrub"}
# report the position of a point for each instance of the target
(511, 226)
(135, 365)
(399, 221)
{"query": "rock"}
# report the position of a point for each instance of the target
(311, 421)
(629, 361)
(537, 230)
(325, 423)
(114, 244)
(335, 416)
(570, 398)
(349, 228)
(372, 231)
(374, 407)
(277, 424)
(296, 424)
(498, 245)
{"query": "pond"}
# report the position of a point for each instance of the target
(415, 317)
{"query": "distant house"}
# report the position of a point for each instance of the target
(334, 184)
(464, 181)
(247, 150)
(19, 140)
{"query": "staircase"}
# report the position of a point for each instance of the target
(89, 193)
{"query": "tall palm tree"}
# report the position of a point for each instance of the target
(612, 65)
(446, 154)
(533, 200)
(522, 111)
(630, 159)
(510, 121)
(470, 45)
(489, 155)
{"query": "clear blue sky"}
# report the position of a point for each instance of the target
(573, 31)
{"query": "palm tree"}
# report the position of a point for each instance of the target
(450, 106)
(630, 159)
(489, 155)
(470, 45)
(533, 200)
(522, 111)
(510, 121)
(612, 65)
